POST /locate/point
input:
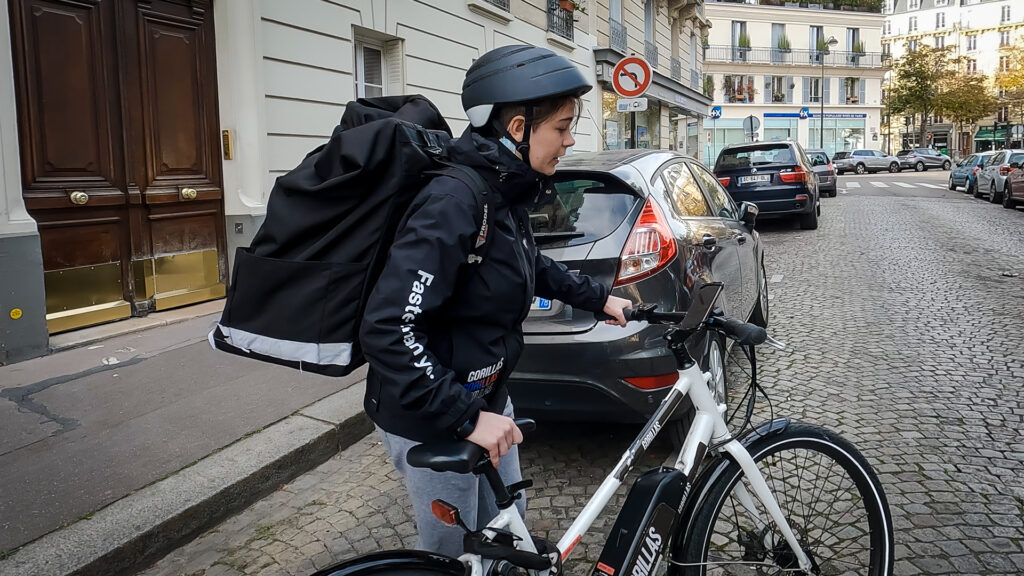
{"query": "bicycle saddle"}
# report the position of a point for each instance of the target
(459, 456)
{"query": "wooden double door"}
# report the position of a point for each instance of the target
(120, 154)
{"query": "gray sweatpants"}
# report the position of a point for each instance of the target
(469, 493)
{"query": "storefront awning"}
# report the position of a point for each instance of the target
(987, 134)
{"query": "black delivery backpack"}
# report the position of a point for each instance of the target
(298, 293)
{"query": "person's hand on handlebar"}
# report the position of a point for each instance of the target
(615, 307)
(495, 433)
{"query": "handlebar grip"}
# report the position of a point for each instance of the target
(738, 330)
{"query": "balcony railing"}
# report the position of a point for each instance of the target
(617, 33)
(832, 58)
(820, 5)
(503, 4)
(677, 70)
(559, 21)
(651, 53)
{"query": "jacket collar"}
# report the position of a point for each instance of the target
(506, 173)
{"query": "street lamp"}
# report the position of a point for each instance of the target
(821, 122)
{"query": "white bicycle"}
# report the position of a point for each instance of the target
(783, 497)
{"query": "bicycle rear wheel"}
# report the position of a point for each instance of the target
(829, 494)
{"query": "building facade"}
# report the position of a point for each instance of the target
(977, 31)
(140, 139)
(667, 33)
(772, 61)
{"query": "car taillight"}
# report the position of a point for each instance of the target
(653, 382)
(724, 180)
(1004, 170)
(794, 175)
(649, 248)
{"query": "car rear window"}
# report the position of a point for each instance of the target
(1017, 157)
(747, 157)
(820, 156)
(583, 210)
(841, 155)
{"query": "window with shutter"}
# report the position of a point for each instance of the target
(807, 89)
(827, 90)
(861, 83)
(370, 70)
(789, 89)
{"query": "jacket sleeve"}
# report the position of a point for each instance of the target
(419, 277)
(554, 281)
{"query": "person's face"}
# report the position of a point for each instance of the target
(549, 139)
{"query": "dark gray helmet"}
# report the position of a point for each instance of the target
(514, 74)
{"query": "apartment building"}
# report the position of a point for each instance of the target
(773, 60)
(977, 30)
(139, 149)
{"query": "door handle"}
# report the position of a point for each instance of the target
(708, 241)
(189, 193)
(742, 239)
(78, 197)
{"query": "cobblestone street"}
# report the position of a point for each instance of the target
(904, 335)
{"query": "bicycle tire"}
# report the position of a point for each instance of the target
(871, 530)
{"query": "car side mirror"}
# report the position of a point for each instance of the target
(748, 213)
(1014, 165)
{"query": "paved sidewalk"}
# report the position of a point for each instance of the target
(83, 428)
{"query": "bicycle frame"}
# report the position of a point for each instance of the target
(708, 427)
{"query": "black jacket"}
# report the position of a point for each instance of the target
(441, 333)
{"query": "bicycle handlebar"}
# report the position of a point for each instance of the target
(738, 330)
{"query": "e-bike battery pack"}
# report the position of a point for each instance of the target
(644, 525)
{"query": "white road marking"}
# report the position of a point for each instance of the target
(932, 186)
(903, 184)
(879, 184)
(842, 191)
(776, 279)
(853, 184)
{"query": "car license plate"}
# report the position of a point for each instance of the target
(753, 179)
(540, 304)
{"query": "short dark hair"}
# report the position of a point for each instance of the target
(542, 111)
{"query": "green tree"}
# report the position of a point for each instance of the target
(1011, 80)
(965, 99)
(919, 78)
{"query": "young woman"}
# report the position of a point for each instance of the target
(442, 331)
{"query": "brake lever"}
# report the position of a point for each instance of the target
(775, 343)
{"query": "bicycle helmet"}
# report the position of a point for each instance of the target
(518, 74)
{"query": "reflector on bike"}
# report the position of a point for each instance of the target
(445, 512)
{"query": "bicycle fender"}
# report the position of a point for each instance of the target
(707, 478)
(397, 560)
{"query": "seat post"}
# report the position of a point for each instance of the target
(502, 498)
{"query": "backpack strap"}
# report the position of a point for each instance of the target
(470, 178)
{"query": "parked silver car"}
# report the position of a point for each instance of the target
(992, 177)
(921, 159)
(864, 161)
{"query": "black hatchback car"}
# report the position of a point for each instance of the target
(655, 225)
(777, 176)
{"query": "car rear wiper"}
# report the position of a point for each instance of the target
(552, 237)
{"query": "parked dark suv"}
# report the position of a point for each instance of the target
(777, 176)
(655, 225)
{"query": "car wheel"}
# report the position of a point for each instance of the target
(760, 315)
(809, 221)
(951, 186)
(894, 167)
(945, 165)
(1008, 201)
(713, 363)
(994, 196)
(860, 169)
(919, 167)
(977, 190)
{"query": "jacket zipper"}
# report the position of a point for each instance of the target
(520, 237)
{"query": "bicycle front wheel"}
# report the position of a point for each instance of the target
(828, 493)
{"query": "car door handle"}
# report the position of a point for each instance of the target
(708, 241)
(742, 239)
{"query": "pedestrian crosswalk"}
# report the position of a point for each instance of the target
(848, 185)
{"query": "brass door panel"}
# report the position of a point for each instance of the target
(83, 296)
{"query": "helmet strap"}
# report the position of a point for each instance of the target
(523, 146)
